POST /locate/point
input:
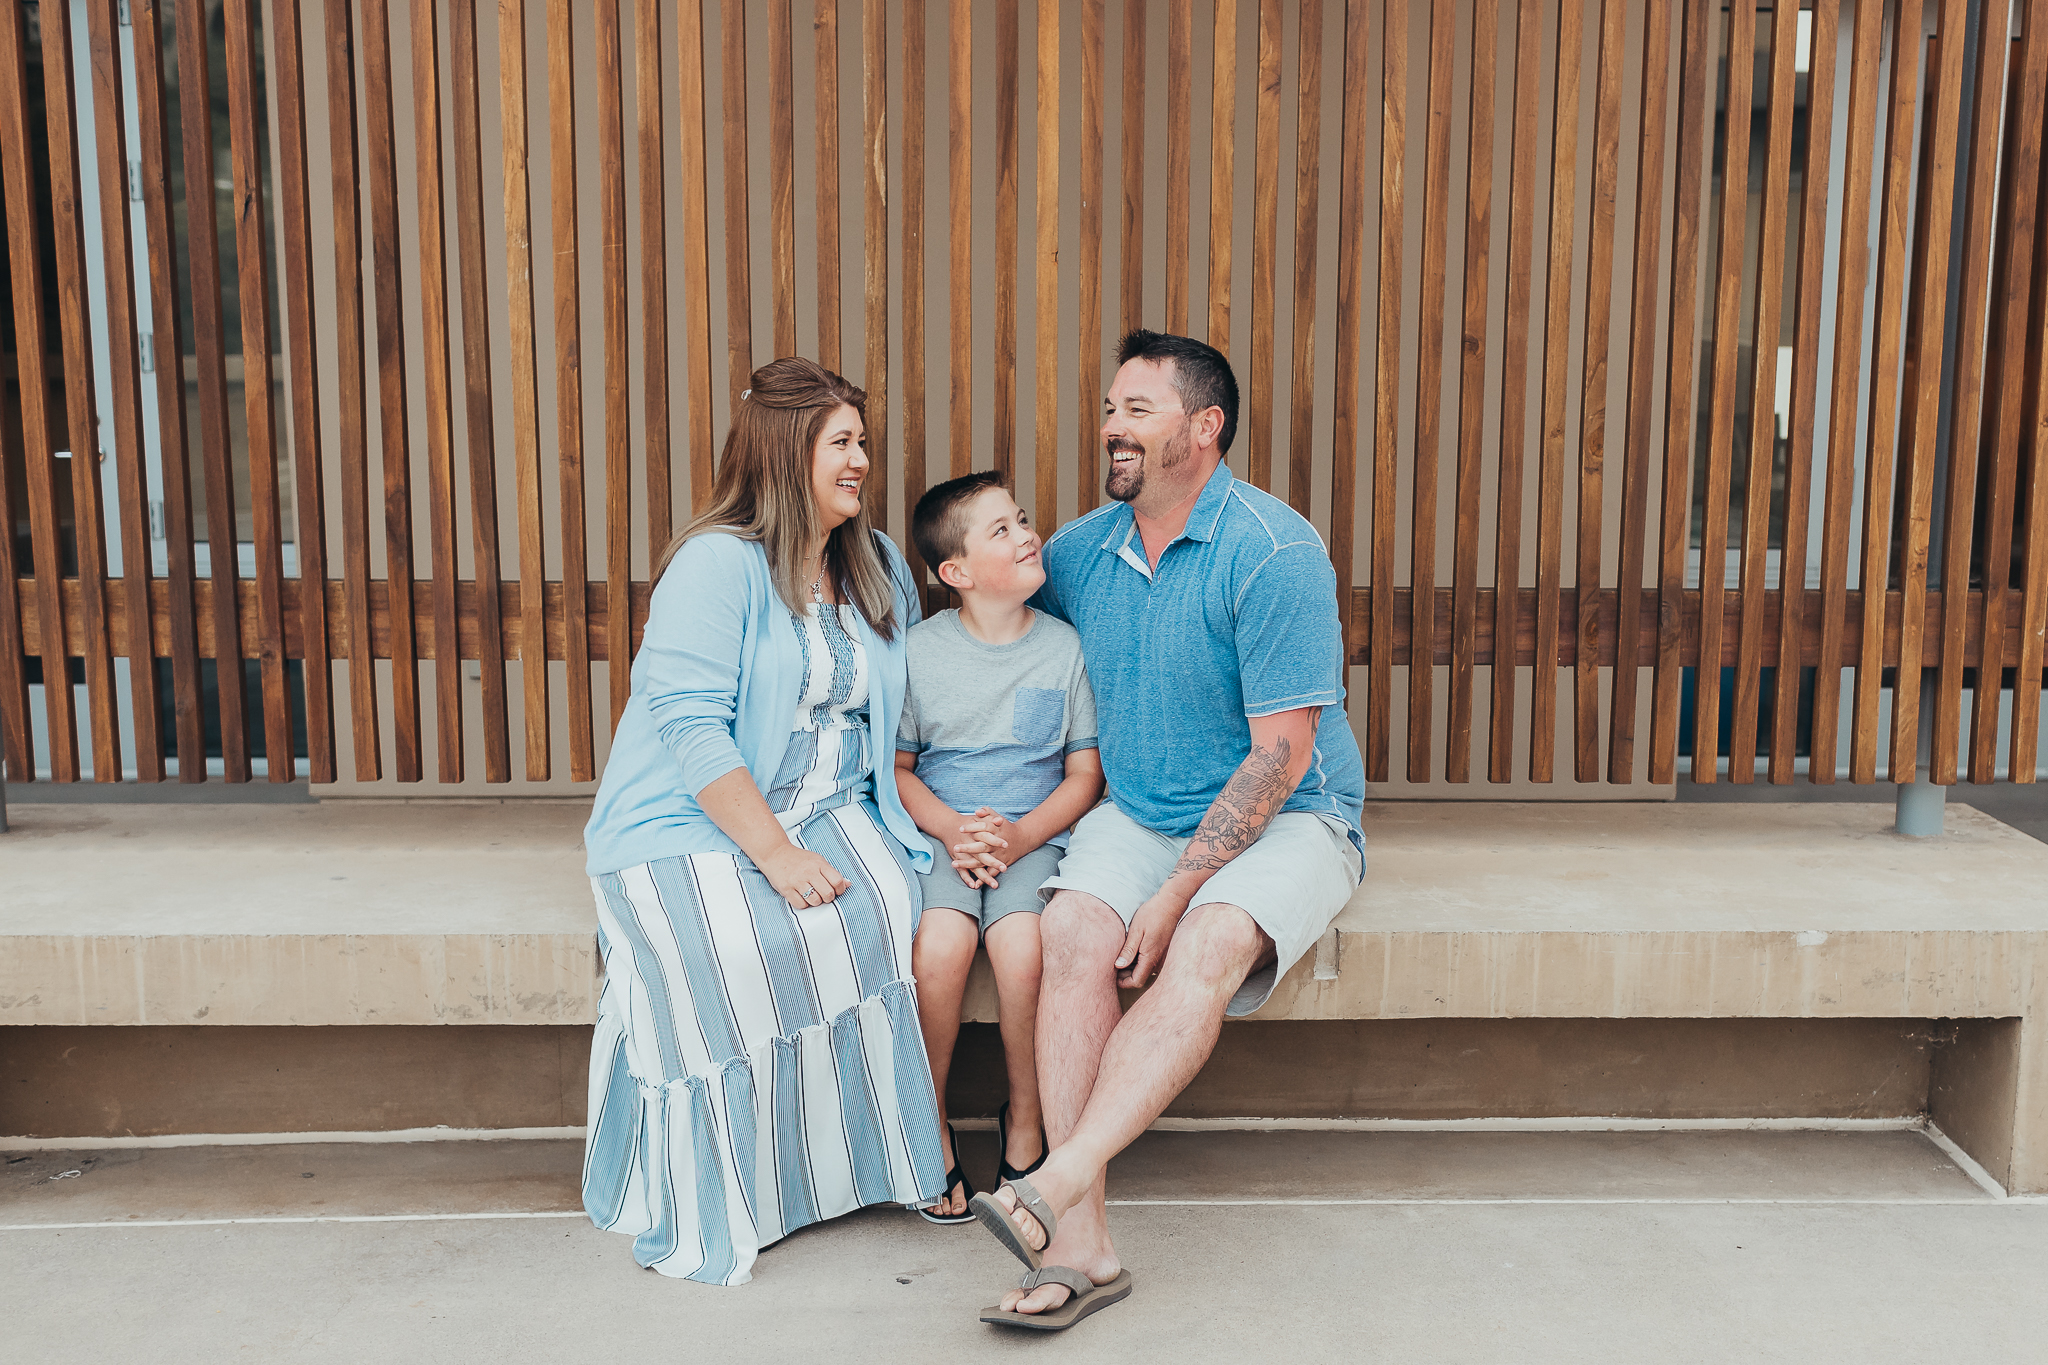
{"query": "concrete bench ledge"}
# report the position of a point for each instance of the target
(440, 912)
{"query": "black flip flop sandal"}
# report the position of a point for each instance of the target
(955, 1178)
(1085, 1297)
(1005, 1172)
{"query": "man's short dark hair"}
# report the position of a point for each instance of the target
(938, 526)
(1202, 378)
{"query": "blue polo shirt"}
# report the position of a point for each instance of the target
(1239, 620)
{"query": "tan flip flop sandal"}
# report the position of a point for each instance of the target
(997, 1220)
(1086, 1298)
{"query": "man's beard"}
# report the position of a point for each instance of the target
(1125, 487)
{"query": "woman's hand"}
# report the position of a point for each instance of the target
(804, 878)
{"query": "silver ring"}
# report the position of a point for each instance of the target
(810, 890)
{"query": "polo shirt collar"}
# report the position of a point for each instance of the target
(1202, 518)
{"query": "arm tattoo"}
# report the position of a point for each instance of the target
(1240, 814)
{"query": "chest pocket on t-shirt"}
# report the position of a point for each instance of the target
(1038, 715)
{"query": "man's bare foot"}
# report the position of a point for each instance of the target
(1057, 1191)
(1100, 1269)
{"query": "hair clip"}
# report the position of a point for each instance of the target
(744, 394)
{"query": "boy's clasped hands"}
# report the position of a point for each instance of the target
(980, 856)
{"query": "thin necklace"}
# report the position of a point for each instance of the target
(817, 598)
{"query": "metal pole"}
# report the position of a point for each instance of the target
(1921, 802)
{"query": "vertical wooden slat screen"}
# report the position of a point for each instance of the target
(195, 115)
(153, 137)
(478, 429)
(110, 129)
(435, 394)
(89, 551)
(245, 113)
(309, 484)
(1618, 246)
(393, 429)
(32, 365)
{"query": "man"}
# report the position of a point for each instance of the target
(1208, 618)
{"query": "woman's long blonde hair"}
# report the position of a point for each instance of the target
(763, 490)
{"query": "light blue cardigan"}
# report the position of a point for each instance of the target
(715, 687)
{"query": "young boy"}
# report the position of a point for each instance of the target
(995, 760)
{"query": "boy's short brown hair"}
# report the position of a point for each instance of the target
(938, 526)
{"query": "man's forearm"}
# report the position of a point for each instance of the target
(1244, 808)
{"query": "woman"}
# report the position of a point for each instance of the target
(757, 1065)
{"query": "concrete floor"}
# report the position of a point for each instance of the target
(1403, 1246)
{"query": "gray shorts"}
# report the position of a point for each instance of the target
(1292, 882)
(1015, 890)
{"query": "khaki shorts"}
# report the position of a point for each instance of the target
(1292, 882)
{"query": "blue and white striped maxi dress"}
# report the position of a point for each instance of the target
(757, 1068)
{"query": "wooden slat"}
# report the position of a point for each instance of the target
(38, 423)
(1763, 430)
(1180, 60)
(618, 384)
(874, 102)
(1471, 391)
(309, 493)
(1131, 161)
(1820, 102)
(1088, 388)
(1308, 155)
(385, 249)
(124, 396)
(1429, 369)
(16, 744)
(1556, 347)
(2028, 110)
(1853, 270)
(1258, 432)
(1222, 168)
(960, 232)
(1642, 380)
(524, 365)
(739, 298)
(1386, 452)
(1591, 523)
(1931, 287)
(436, 397)
(351, 415)
(825, 202)
(2026, 697)
(566, 252)
(1674, 518)
(914, 472)
(1741, 47)
(1045, 327)
(1893, 259)
(1978, 247)
(782, 175)
(648, 85)
(88, 518)
(1004, 389)
(692, 134)
(245, 116)
(1523, 211)
(479, 425)
(195, 116)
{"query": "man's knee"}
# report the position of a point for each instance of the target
(1217, 945)
(1076, 924)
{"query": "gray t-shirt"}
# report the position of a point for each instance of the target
(992, 725)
